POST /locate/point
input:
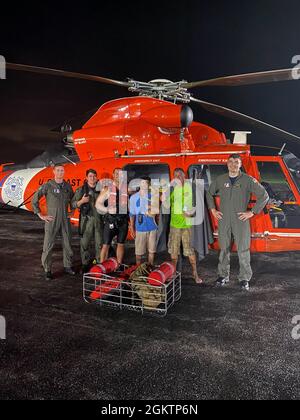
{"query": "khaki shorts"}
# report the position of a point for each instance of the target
(178, 237)
(145, 242)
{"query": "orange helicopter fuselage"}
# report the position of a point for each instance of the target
(142, 133)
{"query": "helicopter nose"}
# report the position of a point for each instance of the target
(3, 178)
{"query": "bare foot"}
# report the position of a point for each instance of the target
(197, 279)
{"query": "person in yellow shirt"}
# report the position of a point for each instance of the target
(181, 201)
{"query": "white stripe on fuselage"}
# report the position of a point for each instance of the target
(14, 188)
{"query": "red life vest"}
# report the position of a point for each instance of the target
(162, 274)
(107, 267)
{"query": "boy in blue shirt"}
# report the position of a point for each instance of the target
(143, 227)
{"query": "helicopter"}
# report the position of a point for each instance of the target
(153, 132)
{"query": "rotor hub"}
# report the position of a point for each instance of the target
(162, 89)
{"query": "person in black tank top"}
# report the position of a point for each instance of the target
(116, 219)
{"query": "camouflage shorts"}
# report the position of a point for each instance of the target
(178, 237)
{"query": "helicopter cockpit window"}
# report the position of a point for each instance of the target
(159, 175)
(275, 181)
(293, 165)
(284, 211)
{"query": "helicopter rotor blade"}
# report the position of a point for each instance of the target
(229, 113)
(248, 79)
(62, 73)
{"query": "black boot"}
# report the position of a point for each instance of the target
(245, 285)
(48, 276)
(70, 271)
(85, 268)
(222, 281)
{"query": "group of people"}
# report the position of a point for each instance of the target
(108, 212)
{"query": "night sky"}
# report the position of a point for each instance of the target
(191, 41)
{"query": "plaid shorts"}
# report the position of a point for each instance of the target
(178, 237)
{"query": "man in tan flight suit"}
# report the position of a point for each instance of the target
(235, 189)
(58, 195)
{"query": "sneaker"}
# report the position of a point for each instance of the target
(70, 271)
(48, 276)
(245, 285)
(222, 281)
(85, 269)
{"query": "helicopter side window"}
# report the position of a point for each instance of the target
(284, 211)
(159, 174)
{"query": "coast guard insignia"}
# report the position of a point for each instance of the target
(13, 188)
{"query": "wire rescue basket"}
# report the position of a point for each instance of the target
(134, 295)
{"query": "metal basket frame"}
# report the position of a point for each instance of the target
(124, 297)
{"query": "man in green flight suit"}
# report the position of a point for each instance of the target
(91, 225)
(235, 191)
(58, 195)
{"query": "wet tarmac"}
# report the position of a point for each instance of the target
(214, 344)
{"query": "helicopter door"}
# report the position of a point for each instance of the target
(283, 210)
(208, 173)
